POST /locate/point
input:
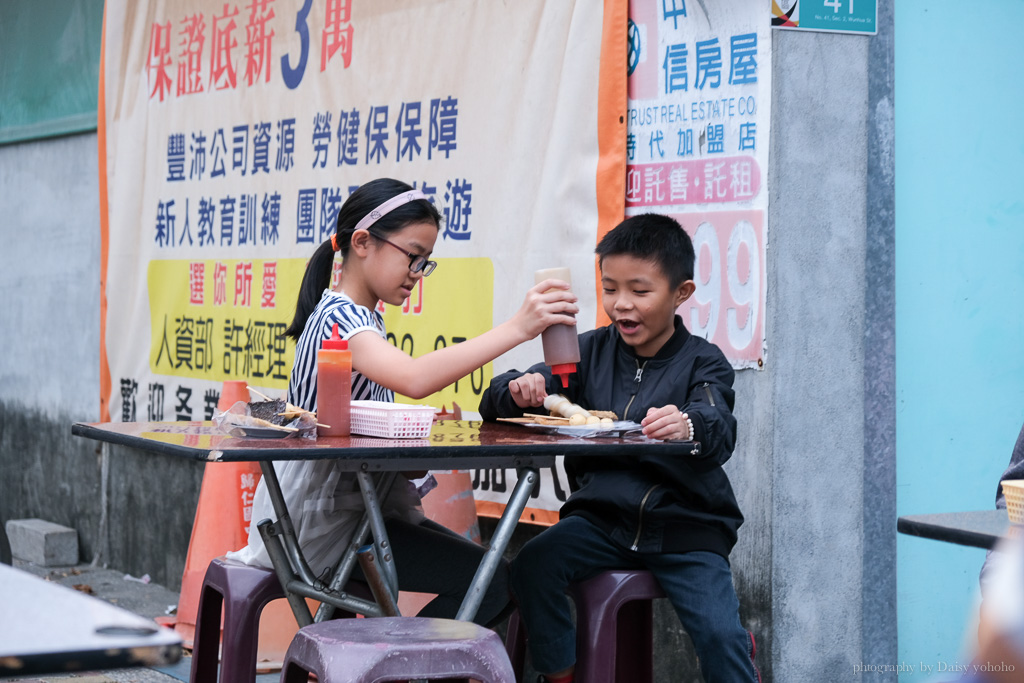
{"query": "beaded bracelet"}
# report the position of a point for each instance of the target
(689, 425)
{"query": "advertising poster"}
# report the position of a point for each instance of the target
(231, 133)
(697, 149)
(697, 140)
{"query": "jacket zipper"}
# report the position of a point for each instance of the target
(640, 518)
(711, 399)
(636, 389)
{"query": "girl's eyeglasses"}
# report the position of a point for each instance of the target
(417, 263)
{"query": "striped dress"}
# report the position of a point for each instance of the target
(351, 318)
(324, 502)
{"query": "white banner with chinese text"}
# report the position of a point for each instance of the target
(231, 132)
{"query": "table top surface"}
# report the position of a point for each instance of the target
(47, 627)
(974, 528)
(452, 444)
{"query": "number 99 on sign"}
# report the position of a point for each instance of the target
(728, 305)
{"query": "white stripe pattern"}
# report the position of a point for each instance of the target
(333, 307)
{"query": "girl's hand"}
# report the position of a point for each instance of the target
(528, 391)
(546, 304)
(667, 424)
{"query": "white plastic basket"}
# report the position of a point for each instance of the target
(1013, 490)
(391, 420)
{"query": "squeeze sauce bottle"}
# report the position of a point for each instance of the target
(333, 386)
(561, 345)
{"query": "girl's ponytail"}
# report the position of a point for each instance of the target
(315, 280)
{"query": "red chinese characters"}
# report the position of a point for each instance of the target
(195, 282)
(220, 277)
(243, 284)
(337, 33)
(268, 300)
(241, 39)
(158, 60)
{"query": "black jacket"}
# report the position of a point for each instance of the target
(651, 503)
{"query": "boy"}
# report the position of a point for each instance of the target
(676, 517)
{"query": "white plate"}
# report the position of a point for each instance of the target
(614, 430)
(259, 432)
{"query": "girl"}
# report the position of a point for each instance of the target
(385, 232)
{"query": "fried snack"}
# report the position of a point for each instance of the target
(269, 411)
(292, 411)
(560, 405)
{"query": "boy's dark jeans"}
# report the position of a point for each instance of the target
(699, 585)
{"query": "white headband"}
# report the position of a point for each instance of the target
(388, 206)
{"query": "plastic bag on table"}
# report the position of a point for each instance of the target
(260, 420)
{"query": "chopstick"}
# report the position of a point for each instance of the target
(546, 417)
(263, 396)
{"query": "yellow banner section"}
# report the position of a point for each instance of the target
(224, 319)
(454, 304)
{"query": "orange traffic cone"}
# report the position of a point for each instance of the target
(221, 525)
(451, 503)
(222, 519)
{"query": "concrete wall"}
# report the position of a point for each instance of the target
(133, 512)
(817, 258)
(814, 467)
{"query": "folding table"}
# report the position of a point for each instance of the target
(452, 445)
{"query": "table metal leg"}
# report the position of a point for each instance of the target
(272, 541)
(348, 560)
(283, 525)
(340, 600)
(385, 557)
(378, 586)
(499, 542)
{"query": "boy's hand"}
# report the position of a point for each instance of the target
(546, 304)
(529, 390)
(667, 424)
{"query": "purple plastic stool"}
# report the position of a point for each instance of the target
(396, 648)
(613, 628)
(243, 592)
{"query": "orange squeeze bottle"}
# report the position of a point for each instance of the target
(561, 345)
(334, 386)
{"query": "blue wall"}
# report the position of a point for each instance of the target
(959, 296)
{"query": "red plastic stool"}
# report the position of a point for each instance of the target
(614, 628)
(396, 648)
(243, 592)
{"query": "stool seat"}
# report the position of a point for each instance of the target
(613, 628)
(614, 635)
(241, 592)
(396, 648)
